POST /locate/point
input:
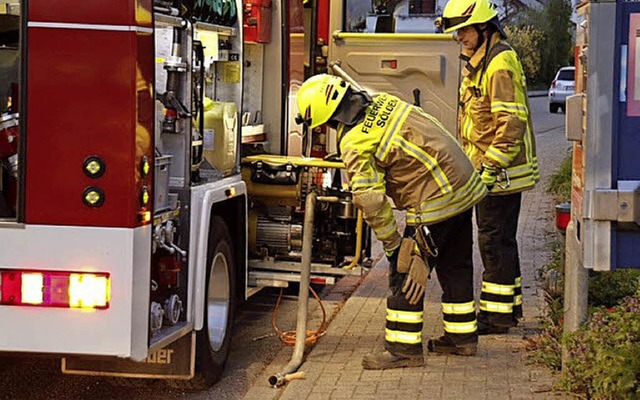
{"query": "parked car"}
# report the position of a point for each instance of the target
(563, 85)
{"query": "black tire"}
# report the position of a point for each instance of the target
(563, 108)
(553, 108)
(212, 349)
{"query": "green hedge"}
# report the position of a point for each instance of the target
(604, 360)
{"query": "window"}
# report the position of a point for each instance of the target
(566, 75)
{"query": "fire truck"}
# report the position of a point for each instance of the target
(153, 176)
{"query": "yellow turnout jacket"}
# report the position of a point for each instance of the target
(494, 120)
(401, 151)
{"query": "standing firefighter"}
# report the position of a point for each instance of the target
(392, 148)
(496, 131)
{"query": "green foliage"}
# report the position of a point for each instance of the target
(560, 183)
(554, 21)
(604, 360)
(605, 289)
(558, 35)
(526, 40)
(609, 288)
(544, 348)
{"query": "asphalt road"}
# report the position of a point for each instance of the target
(253, 346)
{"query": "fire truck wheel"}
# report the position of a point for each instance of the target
(212, 342)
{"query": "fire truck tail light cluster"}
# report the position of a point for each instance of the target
(54, 289)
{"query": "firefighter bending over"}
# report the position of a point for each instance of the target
(496, 131)
(392, 148)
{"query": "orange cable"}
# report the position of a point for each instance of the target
(289, 337)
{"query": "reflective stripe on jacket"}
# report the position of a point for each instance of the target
(401, 151)
(495, 121)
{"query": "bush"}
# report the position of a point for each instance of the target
(604, 360)
(526, 42)
(604, 355)
(609, 288)
(606, 289)
(544, 348)
(560, 183)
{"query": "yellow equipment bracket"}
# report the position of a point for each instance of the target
(399, 36)
(297, 161)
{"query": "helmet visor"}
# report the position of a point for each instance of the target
(450, 23)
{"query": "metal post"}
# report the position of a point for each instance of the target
(576, 286)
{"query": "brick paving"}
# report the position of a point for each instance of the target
(499, 371)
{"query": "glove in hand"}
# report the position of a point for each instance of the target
(489, 176)
(410, 262)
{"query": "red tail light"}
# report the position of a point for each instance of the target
(553, 84)
(54, 289)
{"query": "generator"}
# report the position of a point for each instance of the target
(278, 187)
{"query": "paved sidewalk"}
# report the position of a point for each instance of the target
(499, 371)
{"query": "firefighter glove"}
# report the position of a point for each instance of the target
(489, 176)
(410, 262)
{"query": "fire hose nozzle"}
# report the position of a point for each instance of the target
(280, 379)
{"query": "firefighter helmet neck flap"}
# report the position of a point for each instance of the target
(351, 109)
(328, 99)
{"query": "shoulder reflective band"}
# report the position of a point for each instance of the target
(494, 288)
(404, 316)
(458, 308)
(492, 306)
(403, 337)
(460, 327)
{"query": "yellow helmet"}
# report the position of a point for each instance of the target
(319, 97)
(460, 13)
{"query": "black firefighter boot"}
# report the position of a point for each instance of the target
(444, 345)
(384, 359)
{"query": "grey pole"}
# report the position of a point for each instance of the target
(576, 286)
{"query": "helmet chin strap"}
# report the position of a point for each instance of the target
(351, 109)
(481, 37)
(481, 40)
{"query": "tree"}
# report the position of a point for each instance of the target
(558, 37)
(554, 21)
(526, 42)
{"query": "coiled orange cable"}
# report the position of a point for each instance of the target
(289, 337)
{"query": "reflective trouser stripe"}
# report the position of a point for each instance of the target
(458, 308)
(403, 337)
(494, 306)
(517, 300)
(494, 288)
(460, 327)
(408, 317)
